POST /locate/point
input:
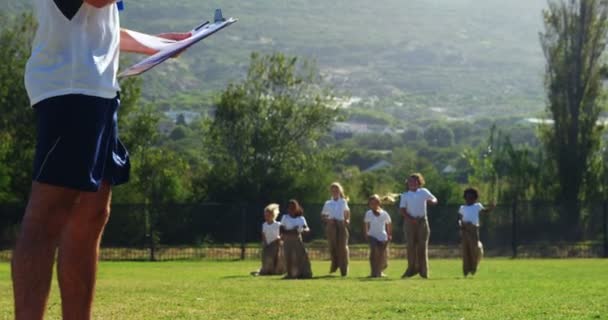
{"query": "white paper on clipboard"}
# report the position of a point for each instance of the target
(169, 48)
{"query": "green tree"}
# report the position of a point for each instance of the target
(439, 135)
(264, 138)
(17, 121)
(158, 175)
(573, 42)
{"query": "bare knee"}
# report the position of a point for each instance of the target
(99, 217)
(92, 211)
(90, 220)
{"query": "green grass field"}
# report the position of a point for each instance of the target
(503, 289)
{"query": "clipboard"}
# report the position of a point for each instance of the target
(169, 48)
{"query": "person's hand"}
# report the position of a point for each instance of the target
(390, 238)
(347, 221)
(177, 36)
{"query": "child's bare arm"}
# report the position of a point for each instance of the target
(489, 209)
(389, 231)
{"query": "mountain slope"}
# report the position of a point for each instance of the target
(472, 56)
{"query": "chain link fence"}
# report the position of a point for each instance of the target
(230, 231)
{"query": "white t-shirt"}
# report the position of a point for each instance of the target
(290, 223)
(470, 213)
(415, 202)
(334, 209)
(271, 231)
(75, 50)
(377, 224)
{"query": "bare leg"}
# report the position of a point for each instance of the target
(79, 251)
(46, 215)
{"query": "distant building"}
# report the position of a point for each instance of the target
(449, 169)
(382, 164)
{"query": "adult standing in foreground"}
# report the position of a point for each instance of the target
(71, 82)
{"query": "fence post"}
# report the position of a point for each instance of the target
(514, 228)
(243, 230)
(150, 233)
(605, 212)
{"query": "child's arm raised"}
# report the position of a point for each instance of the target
(489, 209)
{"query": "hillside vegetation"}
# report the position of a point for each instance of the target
(477, 57)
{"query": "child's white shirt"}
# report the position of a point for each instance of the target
(334, 209)
(470, 214)
(377, 224)
(415, 202)
(271, 231)
(290, 223)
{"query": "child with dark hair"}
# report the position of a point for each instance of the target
(468, 222)
(293, 224)
(378, 231)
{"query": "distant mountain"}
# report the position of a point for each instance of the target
(465, 56)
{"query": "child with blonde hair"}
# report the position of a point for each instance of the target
(272, 260)
(336, 216)
(378, 231)
(413, 208)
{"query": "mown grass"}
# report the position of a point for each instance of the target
(503, 289)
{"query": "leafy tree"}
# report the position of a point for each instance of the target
(439, 135)
(179, 132)
(505, 172)
(181, 120)
(17, 121)
(264, 138)
(158, 175)
(573, 42)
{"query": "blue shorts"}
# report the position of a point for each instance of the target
(77, 143)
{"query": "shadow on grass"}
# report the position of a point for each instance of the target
(244, 276)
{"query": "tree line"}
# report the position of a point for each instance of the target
(269, 138)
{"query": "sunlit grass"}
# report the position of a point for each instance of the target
(502, 289)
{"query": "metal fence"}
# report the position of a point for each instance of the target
(228, 231)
